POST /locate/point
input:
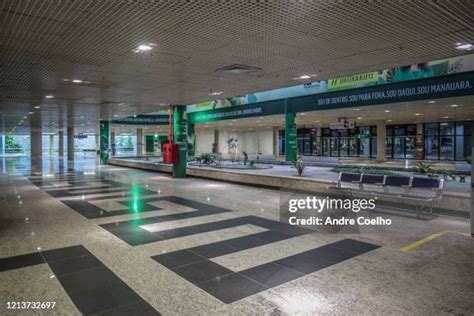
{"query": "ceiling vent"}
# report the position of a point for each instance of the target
(237, 69)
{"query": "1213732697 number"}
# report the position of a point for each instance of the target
(30, 305)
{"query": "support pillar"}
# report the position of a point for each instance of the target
(291, 150)
(472, 194)
(139, 151)
(215, 144)
(70, 143)
(419, 142)
(97, 144)
(36, 148)
(113, 149)
(276, 136)
(381, 135)
(191, 139)
(61, 144)
(104, 142)
(180, 138)
(51, 145)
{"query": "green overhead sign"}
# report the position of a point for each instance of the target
(149, 119)
(432, 88)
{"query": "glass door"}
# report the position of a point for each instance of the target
(410, 149)
(334, 146)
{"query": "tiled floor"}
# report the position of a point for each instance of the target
(128, 242)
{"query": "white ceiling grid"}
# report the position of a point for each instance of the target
(44, 42)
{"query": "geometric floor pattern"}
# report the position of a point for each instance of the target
(83, 192)
(92, 286)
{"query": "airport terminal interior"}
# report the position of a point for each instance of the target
(236, 158)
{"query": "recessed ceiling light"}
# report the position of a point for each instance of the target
(304, 77)
(464, 46)
(122, 103)
(77, 81)
(387, 111)
(49, 96)
(417, 114)
(432, 101)
(454, 105)
(359, 118)
(37, 107)
(144, 48)
(31, 113)
(445, 117)
(302, 113)
(389, 120)
(216, 93)
(115, 115)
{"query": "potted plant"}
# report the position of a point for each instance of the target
(299, 165)
(422, 167)
(246, 157)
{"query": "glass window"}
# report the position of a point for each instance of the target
(431, 129)
(411, 130)
(446, 147)
(399, 131)
(374, 146)
(446, 128)
(431, 147)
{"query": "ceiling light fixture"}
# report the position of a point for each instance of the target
(464, 46)
(49, 96)
(77, 81)
(387, 111)
(359, 118)
(37, 107)
(304, 77)
(432, 101)
(417, 114)
(30, 113)
(454, 105)
(144, 48)
(216, 93)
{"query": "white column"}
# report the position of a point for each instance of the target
(139, 142)
(275, 141)
(51, 145)
(381, 134)
(70, 143)
(97, 145)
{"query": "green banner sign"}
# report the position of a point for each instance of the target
(423, 89)
(143, 120)
(431, 88)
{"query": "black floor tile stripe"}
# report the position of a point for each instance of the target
(92, 287)
(229, 286)
(130, 232)
(89, 210)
